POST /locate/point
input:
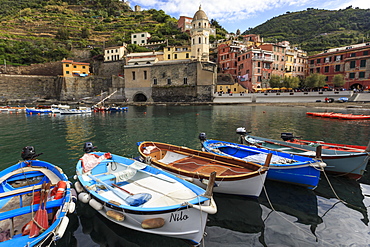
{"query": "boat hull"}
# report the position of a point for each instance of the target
(345, 163)
(304, 172)
(181, 219)
(21, 214)
(196, 166)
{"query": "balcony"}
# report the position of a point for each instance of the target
(263, 59)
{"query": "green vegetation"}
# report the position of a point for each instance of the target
(36, 31)
(315, 80)
(315, 30)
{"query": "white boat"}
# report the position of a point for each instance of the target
(141, 197)
(63, 111)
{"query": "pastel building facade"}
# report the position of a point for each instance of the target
(71, 68)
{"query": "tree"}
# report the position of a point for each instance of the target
(85, 33)
(62, 34)
(338, 80)
(275, 81)
(291, 82)
(315, 80)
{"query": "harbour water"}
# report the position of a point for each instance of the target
(334, 214)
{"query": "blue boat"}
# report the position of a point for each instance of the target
(284, 167)
(143, 198)
(30, 191)
(31, 111)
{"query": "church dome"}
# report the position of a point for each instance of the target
(200, 15)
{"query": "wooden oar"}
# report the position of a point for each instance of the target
(45, 222)
(36, 223)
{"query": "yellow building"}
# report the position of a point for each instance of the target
(176, 52)
(79, 69)
(226, 85)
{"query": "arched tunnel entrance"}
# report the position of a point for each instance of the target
(140, 98)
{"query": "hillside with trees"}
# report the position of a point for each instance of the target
(315, 30)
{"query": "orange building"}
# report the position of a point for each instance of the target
(71, 68)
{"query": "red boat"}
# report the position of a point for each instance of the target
(339, 115)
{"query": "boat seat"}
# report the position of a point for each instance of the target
(51, 175)
(27, 209)
(171, 157)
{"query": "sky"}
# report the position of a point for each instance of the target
(243, 14)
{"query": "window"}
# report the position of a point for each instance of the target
(327, 78)
(134, 36)
(169, 56)
(259, 64)
(169, 81)
(337, 67)
(317, 70)
(352, 64)
(363, 63)
(185, 80)
(67, 65)
(143, 41)
(74, 66)
(175, 56)
(133, 75)
(168, 49)
(67, 72)
(351, 75)
(134, 42)
(155, 82)
(361, 75)
(199, 40)
(337, 58)
(259, 78)
(353, 54)
(366, 53)
(145, 75)
(312, 62)
(83, 67)
(318, 60)
(326, 68)
(187, 55)
(142, 35)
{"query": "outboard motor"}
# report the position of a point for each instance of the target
(28, 153)
(241, 131)
(88, 147)
(202, 137)
(287, 136)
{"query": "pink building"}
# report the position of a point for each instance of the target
(184, 23)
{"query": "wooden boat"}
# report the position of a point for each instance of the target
(344, 160)
(234, 176)
(339, 115)
(287, 168)
(141, 197)
(24, 200)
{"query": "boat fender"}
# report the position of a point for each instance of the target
(115, 215)
(73, 195)
(152, 223)
(84, 197)
(72, 207)
(59, 189)
(62, 228)
(95, 205)
(78, 187)
(211, 209)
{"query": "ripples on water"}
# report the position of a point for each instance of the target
(286, 216)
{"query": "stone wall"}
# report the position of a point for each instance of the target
(27, 88)
(76, 88)
(45, 69)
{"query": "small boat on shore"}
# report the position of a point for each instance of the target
(35, 199)
(287, 168)
(233, 176)
(140, 197)
(339, 115)
(340, 159)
